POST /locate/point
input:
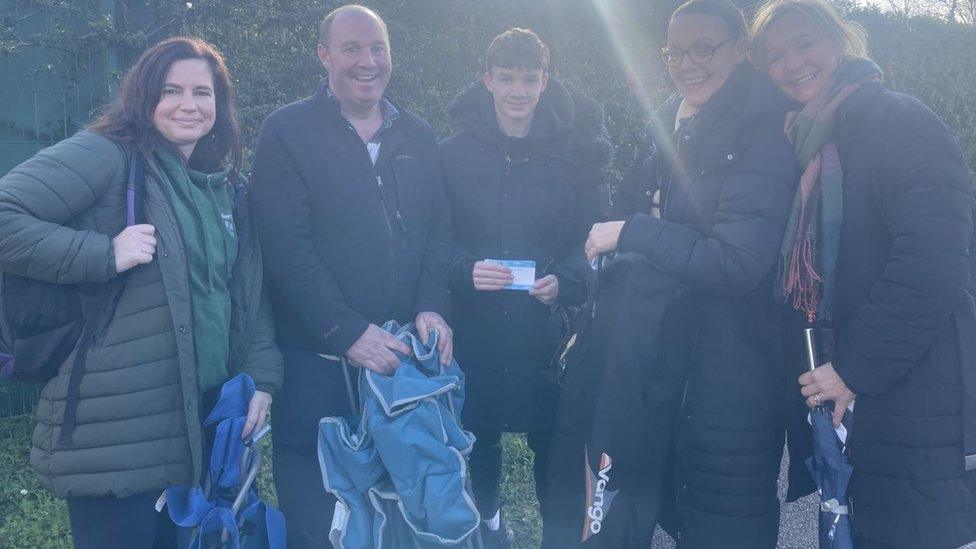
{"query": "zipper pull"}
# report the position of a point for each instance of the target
(400, 222)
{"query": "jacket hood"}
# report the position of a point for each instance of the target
(747, 92)
(564, 124)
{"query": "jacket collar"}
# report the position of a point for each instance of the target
(747, 93)
(393, 130)
(552, 123)
(387, 108)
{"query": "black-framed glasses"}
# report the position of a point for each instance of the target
(699, 52)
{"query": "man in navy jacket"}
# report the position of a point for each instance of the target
(350, 208)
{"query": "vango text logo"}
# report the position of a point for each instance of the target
(598, 498)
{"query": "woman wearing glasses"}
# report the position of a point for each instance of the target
(707, 203)
(901, 306)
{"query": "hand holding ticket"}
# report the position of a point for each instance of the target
(489, 277)
(523, 273)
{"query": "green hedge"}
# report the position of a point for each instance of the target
(606, 49)
(933, 61)
(438, 47)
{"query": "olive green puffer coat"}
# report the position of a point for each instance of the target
(138, 427)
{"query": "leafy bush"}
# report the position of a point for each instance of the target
(935, 62)
(605, 49)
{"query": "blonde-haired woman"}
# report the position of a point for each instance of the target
(890, 272)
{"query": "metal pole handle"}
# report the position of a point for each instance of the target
(810, 336)
(351, 391)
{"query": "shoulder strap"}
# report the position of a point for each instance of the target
(134, 188)
(96, 312)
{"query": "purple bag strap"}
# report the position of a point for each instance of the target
(131, 191)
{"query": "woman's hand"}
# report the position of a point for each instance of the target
(603, 238)
(135, 245)
(823, 384)
(546, 289)
(489, 276)
(257, 413)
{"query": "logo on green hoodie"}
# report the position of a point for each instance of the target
(229, 223)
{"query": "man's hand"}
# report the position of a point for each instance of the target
(823, 384)
(257, 413)
(135, 245)
(546, 289)
(488, 276)
(603, 238)
(374, 350)
(429, 320)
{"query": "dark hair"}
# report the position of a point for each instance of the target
(129, 119)
(724, 10)
(326, 25)
(517, 49)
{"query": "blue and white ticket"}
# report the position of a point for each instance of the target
(523, 271)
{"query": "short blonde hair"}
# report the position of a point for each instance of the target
(849, 37)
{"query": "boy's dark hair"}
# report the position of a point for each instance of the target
(517, 49)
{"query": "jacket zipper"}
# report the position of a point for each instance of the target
(382, 196)
(681, 436)
(386, 213)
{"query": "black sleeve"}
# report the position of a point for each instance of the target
(635, 192)
(928, 212)
(462, 260)
(298, 274)
(432, 293)
(573, 271)
(747, 227)
(462, 269)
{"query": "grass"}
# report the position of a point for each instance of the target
(31, 518)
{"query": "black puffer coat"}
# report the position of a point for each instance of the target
(725, 204)
(901, 312)
(533, 198)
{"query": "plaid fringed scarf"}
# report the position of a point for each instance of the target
(808, 255)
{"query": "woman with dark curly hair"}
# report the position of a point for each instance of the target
(189, 311)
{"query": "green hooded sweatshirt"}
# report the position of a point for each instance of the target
(203, 204)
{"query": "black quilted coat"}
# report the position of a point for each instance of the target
(533, 198)
(902, 312)
(725, 204)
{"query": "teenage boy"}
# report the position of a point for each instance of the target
(523, 179)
